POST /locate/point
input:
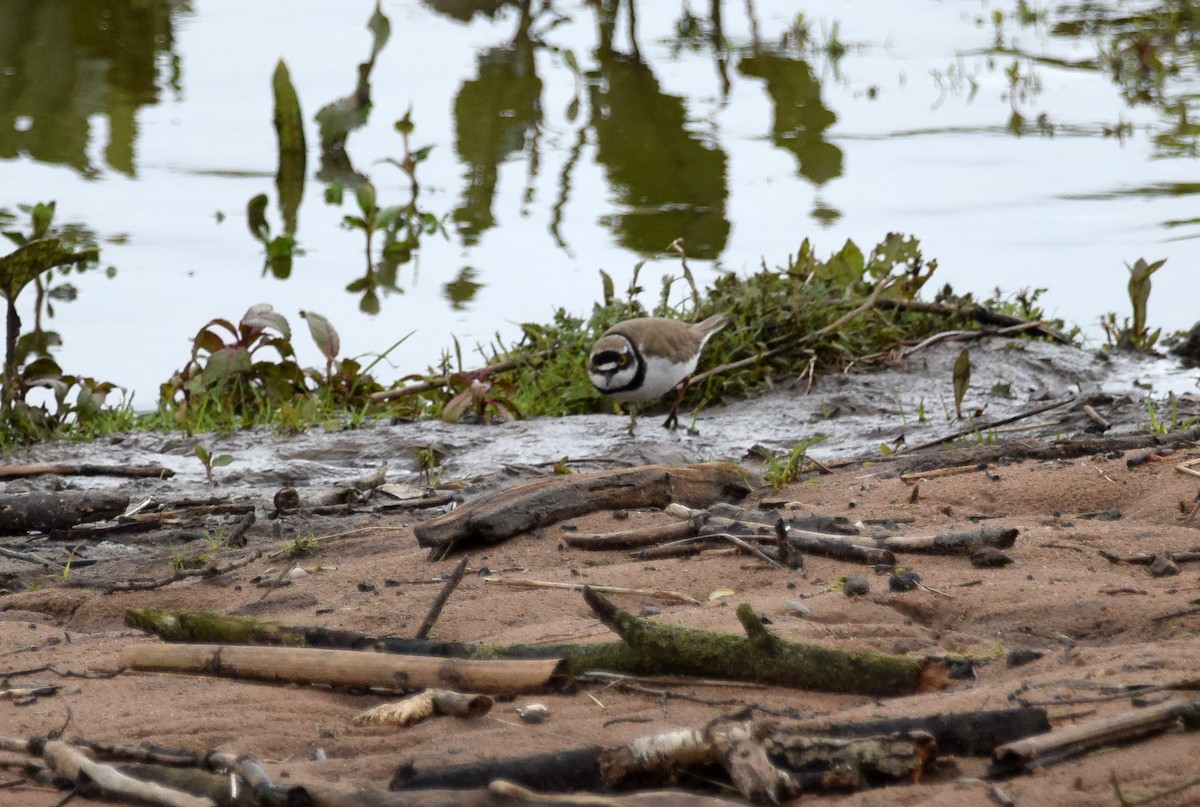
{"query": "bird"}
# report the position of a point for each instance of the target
(645, 358)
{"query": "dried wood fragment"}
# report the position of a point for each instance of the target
(1071, 741)
(939, 472)
(344, 667)
(85, 469)
(952, 542)
(22, 512)
(545, 501)
(626, 539)
(555, 772)
(439, 602)
(423, 705)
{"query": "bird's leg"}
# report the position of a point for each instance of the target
(672, 421)
(633, 410)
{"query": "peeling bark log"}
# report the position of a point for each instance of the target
(1071, 741)
(344, 667)
(964, 733)
(545, 501)
(20, 512)
(778, 767)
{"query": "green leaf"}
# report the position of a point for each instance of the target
(720, 593)
(262, 316)
(610, 289)
(381, 27)
(224, 365)
(405, 125)
(365, 194)
(221, 460)
(256, 217)
(421, 154)
(323, 333)
(43, 216)
(962, 378)
(203, 454)
(369, 303)
(19, 267)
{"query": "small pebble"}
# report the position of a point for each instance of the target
(904, 581)
(364, 586)
(533, 713)
(989, 557)
(797, 607)
(650, 610)
(1163, 566)
(856, 586)
(297, 572)
(1020, 656)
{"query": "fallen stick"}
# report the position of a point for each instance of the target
(440, 381)
(854, 548)
(627, 539)
(440, 601)
(208, 571)
(85, 469)
(28, 557)
(1064, 743)
(979, 313)
(673, 596)
(939, 472)
(982, 427)
(343, 667)
(545, 501)
(952, 542)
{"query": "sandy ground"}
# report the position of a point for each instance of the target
(1097, 624)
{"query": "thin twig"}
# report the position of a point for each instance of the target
(980, 427)
(440, 601)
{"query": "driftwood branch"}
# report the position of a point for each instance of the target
(761, 656)
(22, 512)
(1064, 743)
(675, 753)
(343, 667)
(545, 501)
(85, 469)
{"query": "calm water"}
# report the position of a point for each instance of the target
(150, 122)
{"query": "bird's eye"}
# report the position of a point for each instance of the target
(622, 360)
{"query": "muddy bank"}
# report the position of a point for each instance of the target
(906, 403)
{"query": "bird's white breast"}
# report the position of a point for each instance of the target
(662, 375)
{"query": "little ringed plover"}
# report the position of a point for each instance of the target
(645, 358)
